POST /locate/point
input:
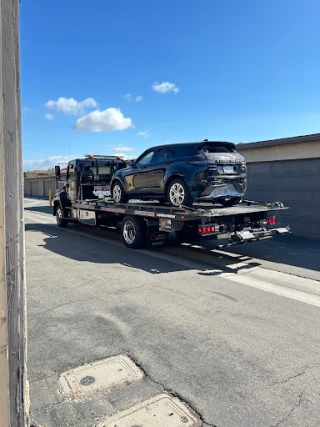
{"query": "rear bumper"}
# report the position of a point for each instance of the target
(255, 235)
(228, 189)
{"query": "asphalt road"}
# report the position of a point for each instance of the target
(235, 334)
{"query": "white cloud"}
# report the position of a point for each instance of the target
(47, 162)
(110, 119)
(144, 133)
(71, 106)
(130, 97)
(122, 148)
(49, 116)
(165, 87)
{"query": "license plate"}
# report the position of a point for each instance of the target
(102, 191)
(228, 169)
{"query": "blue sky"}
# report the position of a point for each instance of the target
(125, 75)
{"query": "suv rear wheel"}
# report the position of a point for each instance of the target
(229, 202)
(118, 194)
(178, 193)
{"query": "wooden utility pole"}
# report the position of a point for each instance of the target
(13, 403)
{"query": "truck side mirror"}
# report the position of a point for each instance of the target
(57, 171)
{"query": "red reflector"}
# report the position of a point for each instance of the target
(200, 230)
(271, 220)
(213, 229)
(182, 216)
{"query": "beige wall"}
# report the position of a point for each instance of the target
(272, 153)
(38, 186)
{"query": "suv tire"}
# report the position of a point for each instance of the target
(118, 194)
(178, 193)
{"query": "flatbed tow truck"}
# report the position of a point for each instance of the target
(150, 223)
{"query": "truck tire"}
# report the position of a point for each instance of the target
(61, 221)
(133, 232)
(117, 193)
(178, 193)
(229, 202)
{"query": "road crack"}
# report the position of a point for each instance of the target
(294, 407)
(299, 374)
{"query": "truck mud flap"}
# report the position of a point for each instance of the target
(155, 238)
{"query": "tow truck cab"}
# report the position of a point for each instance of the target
(88, 177)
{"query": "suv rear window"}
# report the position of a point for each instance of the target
(216, 148)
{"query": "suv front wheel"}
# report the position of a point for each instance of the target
(118, 194)
(178, 193)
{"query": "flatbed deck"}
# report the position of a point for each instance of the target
(149, 222)
(183, 213)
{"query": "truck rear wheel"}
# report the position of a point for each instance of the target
(61, 221)
(133, 232)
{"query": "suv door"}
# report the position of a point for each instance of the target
(138, 180)
(163, 158)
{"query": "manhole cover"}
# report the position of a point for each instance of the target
(162, 410)
(111, 373)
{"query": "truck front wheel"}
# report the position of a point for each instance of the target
(61, 221)
(133, 232)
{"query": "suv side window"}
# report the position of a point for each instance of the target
(186, 150)
(165, 155)
(146, 160)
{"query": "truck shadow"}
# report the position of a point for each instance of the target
(289, 250)
(83, 248)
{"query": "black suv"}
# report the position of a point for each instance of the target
(184, 173)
